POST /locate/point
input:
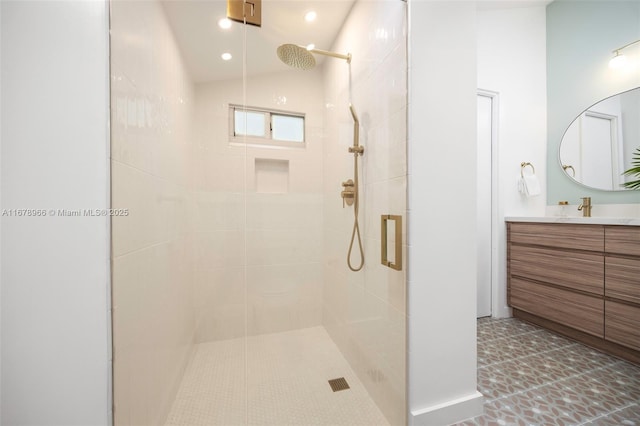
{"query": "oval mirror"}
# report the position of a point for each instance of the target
(598, 145)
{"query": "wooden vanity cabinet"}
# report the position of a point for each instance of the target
(622, 324)
(578, 279)
(622, 285)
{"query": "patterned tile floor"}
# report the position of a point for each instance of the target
(530, 376)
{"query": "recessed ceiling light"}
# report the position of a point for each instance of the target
(226, 56)
(311, 46)
(310, 16)
(224, 23)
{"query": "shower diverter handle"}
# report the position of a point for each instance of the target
(349, 192)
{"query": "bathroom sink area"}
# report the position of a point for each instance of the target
(594, 220)
(601, 214)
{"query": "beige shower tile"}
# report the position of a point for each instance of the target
(284, 297)
(219, 211)
(137, 192)
(287, 376)
(220, 249)
(384, 198)
(215, 172)
(284, 211)
(225, 322)
(216, 287)
(283, 246)
(335, 291)
(382, 281)
(306, 174)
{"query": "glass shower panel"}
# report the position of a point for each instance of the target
(233, 302)
(221, 289)
(310, 319)
(364, 312)
(286, 341)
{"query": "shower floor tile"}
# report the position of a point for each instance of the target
(286, 375)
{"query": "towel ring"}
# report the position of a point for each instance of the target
(523, 165)
(567, 167)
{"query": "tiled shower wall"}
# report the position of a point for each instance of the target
(274, 229)
(152, 155)
(211, 250)
(365, 312)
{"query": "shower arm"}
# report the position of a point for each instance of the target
(346, 57)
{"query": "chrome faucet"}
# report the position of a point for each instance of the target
(585, 207)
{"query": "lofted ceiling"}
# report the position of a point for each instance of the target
(202, 41)
(509, 4)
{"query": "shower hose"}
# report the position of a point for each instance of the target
(356, 227)
(357, 150)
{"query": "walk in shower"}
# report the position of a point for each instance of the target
(233, 300)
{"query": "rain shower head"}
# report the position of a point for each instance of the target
(300, 57)
(296, 56)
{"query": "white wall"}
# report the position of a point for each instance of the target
(511, 56)
(442, 200)
(55, 270)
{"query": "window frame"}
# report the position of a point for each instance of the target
(266, 141)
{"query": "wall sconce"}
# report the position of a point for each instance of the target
(619, 59)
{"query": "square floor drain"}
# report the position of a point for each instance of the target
(338, 384)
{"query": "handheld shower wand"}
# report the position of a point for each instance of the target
(356, 150)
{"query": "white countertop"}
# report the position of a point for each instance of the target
(632, 221)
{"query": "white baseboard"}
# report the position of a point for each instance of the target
(504, 312)
(449, 412)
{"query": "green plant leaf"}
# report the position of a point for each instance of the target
(633, 171)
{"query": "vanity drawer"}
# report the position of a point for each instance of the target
(622, 278)
(560, 235)
(576, 270)
(622, 240)
(580, 311)
(622, 324)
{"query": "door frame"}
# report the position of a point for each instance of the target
(496, 308)
(614, 143)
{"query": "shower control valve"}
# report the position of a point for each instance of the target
(349, 192)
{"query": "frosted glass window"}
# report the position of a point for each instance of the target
(287, 128)
(266, 128)
(250, 123)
